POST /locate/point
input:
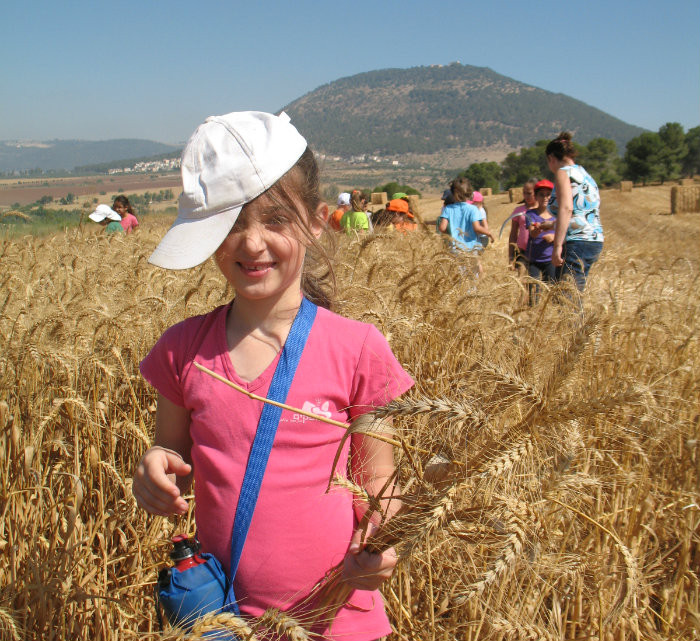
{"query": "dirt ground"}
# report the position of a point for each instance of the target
(28, 191)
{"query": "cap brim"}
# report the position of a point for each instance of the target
(98, 218)
(189, 243)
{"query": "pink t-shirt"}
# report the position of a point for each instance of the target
(523, 233)
(129, 223)
(299, 530)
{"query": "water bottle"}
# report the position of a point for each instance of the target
(194, 586)
(185, 552)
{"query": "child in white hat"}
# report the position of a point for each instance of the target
(251, 199)
(108, 218)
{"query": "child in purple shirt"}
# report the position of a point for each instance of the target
(540, 224)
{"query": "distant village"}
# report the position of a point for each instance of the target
(148, 166)
(172, 164)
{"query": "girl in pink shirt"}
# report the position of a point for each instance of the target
(123, 207)
(519, 235)
(251, 198)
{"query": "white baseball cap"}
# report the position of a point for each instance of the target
(343, 198)
(104, 211)
(228, 161)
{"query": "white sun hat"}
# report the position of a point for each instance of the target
(104, 211)
(228, 161)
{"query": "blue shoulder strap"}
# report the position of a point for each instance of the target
(265, 435)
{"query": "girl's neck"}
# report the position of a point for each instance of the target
(273, 315)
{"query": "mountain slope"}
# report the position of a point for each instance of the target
(426, 110)
(67, 154)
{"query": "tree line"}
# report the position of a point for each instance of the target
(667, 154)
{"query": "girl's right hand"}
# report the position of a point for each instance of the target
(557, 251)
(154, 485)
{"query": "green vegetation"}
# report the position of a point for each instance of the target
(650, 157)
(691, 163)
(666, 155)
(483, 174)
(142, 201)
(602, 160)
(37, 220)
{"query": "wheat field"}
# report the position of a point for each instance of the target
(548, 456)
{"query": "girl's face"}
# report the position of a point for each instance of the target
(542, 197)
(263, 254)
(121, 209)
(529, 195)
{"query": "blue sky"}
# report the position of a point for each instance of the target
(155, 69)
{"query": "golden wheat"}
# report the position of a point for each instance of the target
(549, 460)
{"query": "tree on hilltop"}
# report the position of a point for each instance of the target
(483, 174)
(601, 160)
(643, 158)
(530, 162)
(691, 162)
(674, 150)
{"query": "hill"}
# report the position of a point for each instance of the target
(429, 110)
(65, 155)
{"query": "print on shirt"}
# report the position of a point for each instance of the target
(585, 218)
(318, 408)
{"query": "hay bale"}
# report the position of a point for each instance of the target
(379, 197)
(486, 191)
(686, 181)
(685, 199)
(414, 203)
(626, 185)
(515, 194)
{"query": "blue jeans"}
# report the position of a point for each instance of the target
(578, 257)
(541, 271)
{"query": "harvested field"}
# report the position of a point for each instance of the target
(550, 457)
(28, 191)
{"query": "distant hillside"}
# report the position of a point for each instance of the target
(57, 155)
(427, 110)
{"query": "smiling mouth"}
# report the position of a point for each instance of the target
(255, 267)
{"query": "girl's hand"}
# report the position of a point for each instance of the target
(154, 485)
(557, 260)
(363, 570)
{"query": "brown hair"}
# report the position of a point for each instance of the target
(382, 218)
(357, 200)
(462, 189)
(301, 184)
(561, 147)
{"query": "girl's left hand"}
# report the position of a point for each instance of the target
(363, 570)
